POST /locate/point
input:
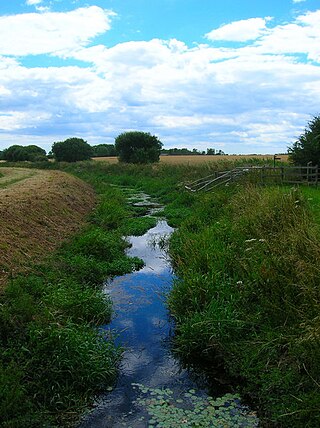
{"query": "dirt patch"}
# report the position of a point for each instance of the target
(38, 210)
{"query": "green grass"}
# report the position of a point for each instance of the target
(52, 356)
(248, 296)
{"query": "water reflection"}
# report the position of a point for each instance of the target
(142, 322)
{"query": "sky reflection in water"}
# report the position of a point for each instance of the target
(141, 320)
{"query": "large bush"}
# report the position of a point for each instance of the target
(138, 147)
(18, 153)
(307, 148)
(71, 150)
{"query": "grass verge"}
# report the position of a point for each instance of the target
(248, 296)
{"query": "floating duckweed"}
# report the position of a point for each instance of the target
(167, 411)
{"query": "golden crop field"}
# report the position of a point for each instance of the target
(198, 159)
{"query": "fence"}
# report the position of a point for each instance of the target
(308, 175)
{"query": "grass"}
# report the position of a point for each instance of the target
(248, 296)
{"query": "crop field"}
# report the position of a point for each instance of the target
(198, 159)
(38, 209)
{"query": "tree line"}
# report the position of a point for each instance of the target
(142, 147)
(186, 152)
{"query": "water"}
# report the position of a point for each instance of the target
(144, 329)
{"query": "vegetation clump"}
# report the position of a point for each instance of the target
(138, 147)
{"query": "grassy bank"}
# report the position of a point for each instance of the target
(249, 298)
(53, 359)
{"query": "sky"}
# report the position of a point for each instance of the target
(238, 76)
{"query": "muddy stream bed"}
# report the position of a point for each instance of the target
(153, 389)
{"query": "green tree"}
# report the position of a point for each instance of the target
(71, 150)
(104, 150)
(138, 147)
(307, 148)
(18, 153)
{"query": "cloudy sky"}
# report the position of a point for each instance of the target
(241, 76)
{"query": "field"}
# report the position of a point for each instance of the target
(38, 210)
(197, 159)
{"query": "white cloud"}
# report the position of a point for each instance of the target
(240, 31)
(298, 1)
(33, 2)
(13, 120)
(255, 98)
(51, 32)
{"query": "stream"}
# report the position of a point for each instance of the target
(153, 389)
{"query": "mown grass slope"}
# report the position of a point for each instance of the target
(38, 210)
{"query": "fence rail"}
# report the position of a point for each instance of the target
(308, 175)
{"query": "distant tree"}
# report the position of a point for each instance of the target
(102, 150)
(307, 148)
(211, 151)
(1, 155)
(71, 150)
(18, 153)
(138, 147)
(181, 152)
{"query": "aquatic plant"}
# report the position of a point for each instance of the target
(167, 410)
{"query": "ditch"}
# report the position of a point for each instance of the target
(153, 388)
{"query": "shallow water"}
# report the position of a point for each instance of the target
(144, 329)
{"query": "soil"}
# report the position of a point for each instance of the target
(38, 211)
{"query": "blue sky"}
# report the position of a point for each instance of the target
(241, 76)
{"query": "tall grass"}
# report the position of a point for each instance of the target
(249, 296)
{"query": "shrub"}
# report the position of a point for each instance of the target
(138, 147)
